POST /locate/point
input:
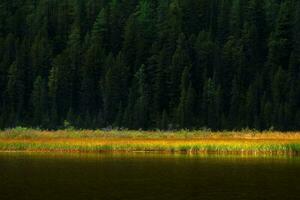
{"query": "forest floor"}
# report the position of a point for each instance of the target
(244, 142)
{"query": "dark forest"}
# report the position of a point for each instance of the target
(150, 64)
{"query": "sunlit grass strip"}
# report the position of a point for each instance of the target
(150, 146)
(204, 141)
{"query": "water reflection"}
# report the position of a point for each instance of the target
(147, 176)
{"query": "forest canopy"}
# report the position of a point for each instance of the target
(148, 64)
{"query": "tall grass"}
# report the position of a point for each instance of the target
(245, 142)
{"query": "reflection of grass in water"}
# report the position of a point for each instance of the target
(243, 159)
(245, 142)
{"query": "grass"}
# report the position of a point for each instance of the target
(244, 142)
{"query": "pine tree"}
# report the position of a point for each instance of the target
(141, 112)
(145, 32)
(100, 30)
(53, 86)
(74, 52)
(40, 102)
(16, 87)
(115, 89)
(164, 121)
(63, 91)
(279, 89)
(185, 110)
(191, 16)
(253, 104)
(281, 40)
(180, 60)
(236, 18)
(223, 22)
(173, 27)
(160, 88)
(129, 43)
(210, 106)
(41, 55)
(267, 115)
(205, 50)
(235, 115)
(129, 113)
(92, 68)
(254, 37)
(115, 26)
(181, 112)
(232, 70)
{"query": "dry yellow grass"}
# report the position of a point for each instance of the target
(250, 142)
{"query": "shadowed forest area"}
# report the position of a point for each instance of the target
(147, 64)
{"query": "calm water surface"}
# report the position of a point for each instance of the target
(147, 177)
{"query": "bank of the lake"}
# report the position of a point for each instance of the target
(244, 142)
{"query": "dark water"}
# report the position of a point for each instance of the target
(143, 176)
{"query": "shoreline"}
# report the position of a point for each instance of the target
(223, 153)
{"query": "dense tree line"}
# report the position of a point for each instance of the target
(220, 64)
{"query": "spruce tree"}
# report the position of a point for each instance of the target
(180, 60)
(141, 111)
(15, 92)
(39, 102)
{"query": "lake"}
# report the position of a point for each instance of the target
(142, 176)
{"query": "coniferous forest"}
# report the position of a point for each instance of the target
(149, 64)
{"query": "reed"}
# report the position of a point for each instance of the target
(244, 142)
